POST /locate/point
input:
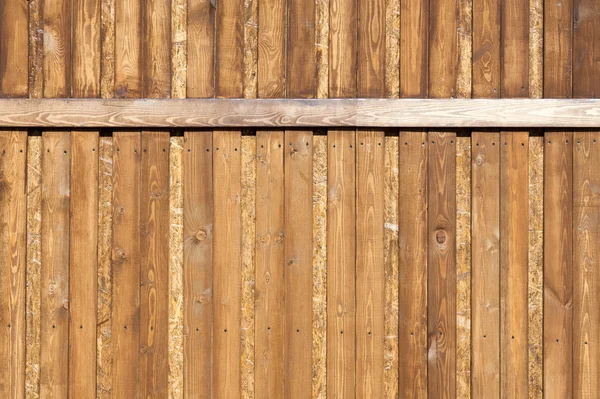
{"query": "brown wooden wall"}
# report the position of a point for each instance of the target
(346, 263)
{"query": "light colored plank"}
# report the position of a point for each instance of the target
(558, 49)
(154, 268)
(57, 48)
(157, 48)
(83, 273)
(271, 49)
(269, 264)
(515, 48)
(229, 50)
(54, 341)
(14, 55)
(227, 276)
(414, 34)
(13, 250)
(128, 50)
(86, 48)
(200, 49)
(198, 263)
(486, 48)
(370, 286)
(126, 263)
(443, 49)
(342, 48)
(485, 299)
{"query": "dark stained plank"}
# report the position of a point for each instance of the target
(558, 264)
(515, 48)
(342, 48)
(54, 327)
(86, 48)
(485, 280)
(57, 49)
(371, 48)
(200, 49)
(298, 278)
(83, 273)
(443, 50)
(558, 49)
(197, 264)
(271, 49)
(157, 49)
(128, 50)
(486, 48)
(586, 49)
(370, 286)
(227, 277)
(514, 233)
(441, 282)
(154, 269)
(14, 48)
(126, 264)
(412, 267)
(269, 265)
(301, 72)
(13, 242)
(229, 69)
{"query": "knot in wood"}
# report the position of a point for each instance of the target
(266, 239)
(201, 235)
(479, 161)
(440, 236)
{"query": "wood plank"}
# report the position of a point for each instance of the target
(126, 263)
(371, 48)
(128, 49)
(558, 264)
(370, 286)
(229, 73)
(298, 284)
(200, 49)
(157, 49)
(86, 48)
(586, 275)
(486, 48)
(154, 269)
(301, 70)
(54, 341)
(13, 242)
(586, 51)
(412, 268)
(443, 49)
(514, 225)
(83, 273)
(341, 256)
(227, 278)
(558, 49)
(515, 48)
(57, 48)
(441, 282)
(271, 49)
(14, 48)
(198, 263)
(485, 280)
(414, 38)
(342, 48)
(269, 264)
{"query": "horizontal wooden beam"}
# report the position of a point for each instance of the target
(282, 113)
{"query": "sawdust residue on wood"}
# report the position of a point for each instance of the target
(322, 47)
(465, 49)
(392, 49)
(36, 49)
(248, 203)
(536, 48)
(178, 48)
(319, 305)
(463, 267)
(175, 379)
(107, 30)
(536, 264)
(105, 211)
(250, 48)
(33, 272)
(390, 371)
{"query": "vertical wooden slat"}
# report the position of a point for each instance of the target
(271, 49)
(107, 68)
(558, 49)
(441, 283)
(154, 269)
(514, 225)
(269, 265)
(298, 285)
(486, 48)
(83, 273)
(13, 200)
(586, 49)
(157, 49)
(301, 54)
(128, 50)
(443, 54)
(200, 49)
(126, 264)
(485, 298)
(14, 55)
(198, 264)
(229, 50)
(341, 255)
(342, 48)
(57, 48)
(558, 265)
(56, 161)
(414, 37)
(515, 48)
(226, 377)
(371, 48)
(412, 268)
(86, 48)
(586, 274)
(370, 287)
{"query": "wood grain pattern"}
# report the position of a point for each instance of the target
(13, 250)
(86, 48)
(515, 48)
(341, 267)
(126, 263)
(83, 272)
(513, 264)
(14, 55)
(54, 341)
(157, 49)
(370, 286)
(227, 277)
(371, 48)
(414, 38)
(229, 50)
(485, 283)
(198, 232)
(271, 49)
(486, 48)
(558, 264)
(558, 49)
(128, 49)
(200, 49)
(586, 275)
(298, 284)
(412, 268)
(441, 282)
(443, 54)
(301, 69)
(586, 36)
(57, 48)
(154, 268)
(342, 48)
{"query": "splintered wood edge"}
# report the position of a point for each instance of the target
(236, 113)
